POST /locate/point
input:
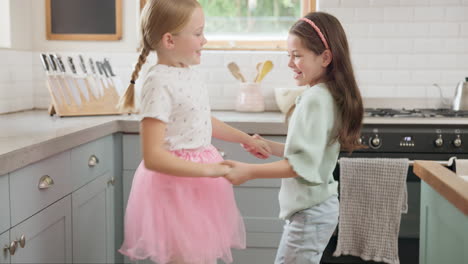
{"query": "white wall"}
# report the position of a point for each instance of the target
(16, 82)
(5, 36)
(399, 48)
(21, 24)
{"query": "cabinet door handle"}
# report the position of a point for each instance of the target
(21, 241)
(93, 161)
(111, 181)
(45, 182)
(10, 248)
(222, 153)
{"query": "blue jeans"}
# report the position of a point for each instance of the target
(307, 232)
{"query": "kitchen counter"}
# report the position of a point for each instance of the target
(30, 136)
(27, 137)
(449, 185)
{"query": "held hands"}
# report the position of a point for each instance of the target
(258, 147)
(217, 170)
(239, 172)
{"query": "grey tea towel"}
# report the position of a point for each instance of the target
(372, 197)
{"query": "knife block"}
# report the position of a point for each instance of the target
(105, 104)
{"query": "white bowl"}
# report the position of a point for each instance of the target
(285, 97)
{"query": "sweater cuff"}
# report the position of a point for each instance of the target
(306, 175)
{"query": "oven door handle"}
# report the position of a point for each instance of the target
(447, 163)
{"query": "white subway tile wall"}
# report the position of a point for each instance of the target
(399, 48)
(16, 81)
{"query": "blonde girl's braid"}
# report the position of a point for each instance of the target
(127, 101)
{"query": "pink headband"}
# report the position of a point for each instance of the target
(317, 30)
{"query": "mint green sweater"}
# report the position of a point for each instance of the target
(309, 152)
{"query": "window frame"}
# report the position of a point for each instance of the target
(267, 45)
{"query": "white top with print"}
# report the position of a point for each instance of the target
(179, 98)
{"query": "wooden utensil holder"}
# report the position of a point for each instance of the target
(106, 104)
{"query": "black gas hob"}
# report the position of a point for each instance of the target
(414, 113)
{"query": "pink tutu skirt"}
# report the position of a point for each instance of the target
(182, 219)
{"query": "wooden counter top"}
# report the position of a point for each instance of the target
(444, 181)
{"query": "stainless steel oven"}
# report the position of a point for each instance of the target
(424, 141)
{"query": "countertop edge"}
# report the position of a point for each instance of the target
(24, 156)
(15, 157)
(452, 187)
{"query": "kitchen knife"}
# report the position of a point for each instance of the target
(78, 79)
(102, 74)
(116, 80)
(70, 81)
(52, 81)
(89, 79)
(107, 79)
(61, 79)
(99, 83)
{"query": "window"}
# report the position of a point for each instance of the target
(251, 24)
(5, 31)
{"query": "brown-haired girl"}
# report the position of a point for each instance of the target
(327, 117)
(180, 210)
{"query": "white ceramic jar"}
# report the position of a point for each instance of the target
(250, 98)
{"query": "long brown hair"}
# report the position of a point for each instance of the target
(158, 17)
(339, 75)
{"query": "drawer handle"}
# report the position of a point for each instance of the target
(93, 161)
(111, 181)
(21, 241)
(45, 182)
(10, 248)
(222, 153)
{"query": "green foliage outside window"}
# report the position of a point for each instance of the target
(250, 16)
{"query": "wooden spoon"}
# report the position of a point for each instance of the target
(266, 68)
(234, 69)
(258, 67)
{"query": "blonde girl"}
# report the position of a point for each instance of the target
(180, 210)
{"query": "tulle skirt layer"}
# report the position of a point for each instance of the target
(182, 219)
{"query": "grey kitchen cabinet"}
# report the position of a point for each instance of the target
(47, 235)
(5, 244)
(93, 221)
(258, 203)
(38, 185)
(127, 184)
(91, 160)
(444, 229)
(4, 204)
(97, 223)
(131, 159)
(131, 151)
(38, 200)
(257, 200)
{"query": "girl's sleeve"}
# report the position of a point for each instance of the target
(156, 100)
(307, 138)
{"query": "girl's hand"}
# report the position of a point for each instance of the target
(217, 170)
(239, 173)
(258, 147)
